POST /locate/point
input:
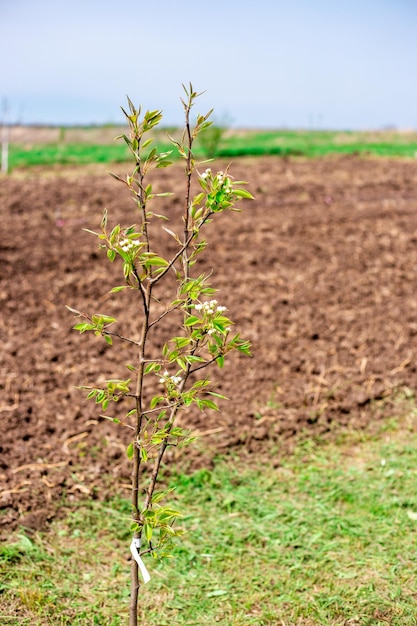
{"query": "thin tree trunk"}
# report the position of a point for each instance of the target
(134, 594)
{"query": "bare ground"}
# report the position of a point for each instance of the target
(319, 272)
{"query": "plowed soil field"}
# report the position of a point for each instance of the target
(319, 272)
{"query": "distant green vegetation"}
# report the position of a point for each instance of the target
(324, 538)
(66, 154)
(319, 143)
(95, 145)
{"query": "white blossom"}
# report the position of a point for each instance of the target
(127, 244)
(210, 307)
(175, 380)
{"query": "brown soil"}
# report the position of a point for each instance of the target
(319, 272)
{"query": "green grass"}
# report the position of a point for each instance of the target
(96, 146)
(68, 154)
(319, 143)
(326, 538)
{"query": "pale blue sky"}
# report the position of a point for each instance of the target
(268, 63)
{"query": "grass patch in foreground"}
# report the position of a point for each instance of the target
(328, 538)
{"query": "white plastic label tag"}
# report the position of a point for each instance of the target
(134, 548)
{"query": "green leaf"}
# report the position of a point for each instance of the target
(216, 339)
(217, 395)
(158, 438)
(165, 513)
(156, 261)
(148, 530)
(98, 318)
(163, 163)
(220, 360)
(200, 384)
(108, 339)
(123, 254)
(190, 321)
(159, 495)
(152, 367)
(173, 355)
(245, 348)
(181, 363)
(177, 431)
(147, 143)
(122, 385)
(111, 254)
(155, 400)
(187, 441)
(111, 419)
(129, 451)
(181, 342)
(130, 232)
(198, 198)
(211, 405)
(83, 326)
(118, 288)
(115, 232)
(194, 359)
(243, 193)
(221, 319)
(187, 399)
